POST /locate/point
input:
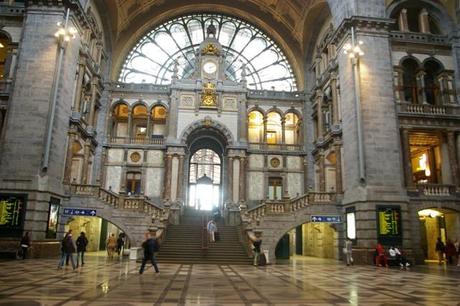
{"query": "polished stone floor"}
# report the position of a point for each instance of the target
(303, 281)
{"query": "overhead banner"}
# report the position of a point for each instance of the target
(12, 213)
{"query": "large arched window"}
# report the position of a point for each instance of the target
(292, 129)
(256, 127)
(274, 130)
(153, 58)
(120, 116)
(432, 71)
(159, 121)
(410, 67)
(139, 125)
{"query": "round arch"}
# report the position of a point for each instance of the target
(207, 125)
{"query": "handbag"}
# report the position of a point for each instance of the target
(345, 251)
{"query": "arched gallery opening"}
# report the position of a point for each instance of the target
(437, 223)
(97, 231)
(318, 240)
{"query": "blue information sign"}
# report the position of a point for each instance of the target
(326, 219)
(79, 212)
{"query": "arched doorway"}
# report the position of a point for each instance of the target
(205, 180)
(309, 239)
(96, 229)
(434, 223)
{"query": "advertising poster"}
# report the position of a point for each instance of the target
(53, 218)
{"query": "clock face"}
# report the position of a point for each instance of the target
(209, 67)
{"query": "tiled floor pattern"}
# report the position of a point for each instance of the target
(301, 282)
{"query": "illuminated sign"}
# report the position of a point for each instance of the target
(12, 212)
(389, 224)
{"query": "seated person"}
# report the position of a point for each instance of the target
(396, 254)
(381, 258)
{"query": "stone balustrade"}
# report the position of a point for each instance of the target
(138, 140)
(428, 109)
(436, 190)
(120, 201)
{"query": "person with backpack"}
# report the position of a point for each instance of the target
(82, 242)
(150, 246)
(68, 247)
(256, 244)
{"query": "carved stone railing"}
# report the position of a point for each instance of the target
(274, 147)
(287, 205)
(271, 94)
(428, 109)
(435, 190)
(419, 38)
(117, 201)
(131, 87)
(138, 140)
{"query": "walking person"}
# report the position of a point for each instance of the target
(451, 252)
(348, 251)
(256, 244)
(82, 242)
(150, 246)
(68, 248)
(111, 245)
(212, 229)
(120, 244)
(440, 249)
(25, 244)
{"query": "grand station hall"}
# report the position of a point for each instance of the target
(229, 152)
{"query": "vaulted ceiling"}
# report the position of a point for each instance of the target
(289, 22)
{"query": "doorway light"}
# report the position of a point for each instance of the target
(431, 213)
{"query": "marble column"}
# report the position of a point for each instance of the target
(243, 121)
(335, 100)
(406, 158)
(77, 98)
(167, 177)
(453, 157)
(68, 160)
(283, 131)
(242, 187)
(84, 175)
(149, 127)
(319, 113)
(322, 173)
(180, 178)
(423, 21)
(265, 129)
(402, 21)
(338, 168)
(92, 110)
(230, 179)
(130, 123)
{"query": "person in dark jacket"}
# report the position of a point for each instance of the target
(451, 252)
(440, 249)
(68, 248)
(120, 243)
(82, 242)
(25, 244)
(256, 244)
(150, 246)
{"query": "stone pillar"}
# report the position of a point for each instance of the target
(406, 158)
(230, 179)
(77, 101)
(338, 168)
(453, 157)
(242, 187)
(68, 160)
(398, 84)
(167, 177)
(335, 100)
(283, 131)
(265, 129)
(84, 174)
(424, 21)
(456, 57)
(322, 173)
(180, 178)
(421, 87)
(402, 21)
(172, 118)
(130, 123)
(92, 109)
(149, 126)
(319, 113)
(243, 121)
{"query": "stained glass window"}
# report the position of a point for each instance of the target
(153, 57)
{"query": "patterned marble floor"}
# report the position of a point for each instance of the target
(304, 281)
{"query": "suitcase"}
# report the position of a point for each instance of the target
(216, 236)
(262, 260)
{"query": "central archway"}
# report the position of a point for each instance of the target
(206, 142)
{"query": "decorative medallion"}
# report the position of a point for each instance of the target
(135, 157)
(210, 49)
(275, 162)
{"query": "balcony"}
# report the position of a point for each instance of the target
(138, 140)
(421, 38)
(275, 147)
(433, 190)
(427, 109)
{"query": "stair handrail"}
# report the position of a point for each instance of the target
(204, 233)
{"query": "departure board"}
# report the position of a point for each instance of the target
(389, 224)
(12, 213)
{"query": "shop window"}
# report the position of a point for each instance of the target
(133, 183)
(275, 188)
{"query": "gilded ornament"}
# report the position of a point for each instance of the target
(210, 49)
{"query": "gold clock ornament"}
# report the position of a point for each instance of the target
(209, 97)
(210, 49)
(135, 157)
